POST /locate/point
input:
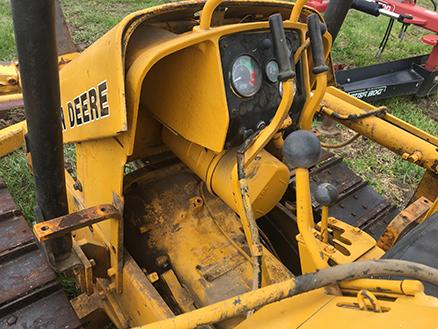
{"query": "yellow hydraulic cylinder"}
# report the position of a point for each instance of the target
(267, 177)
(398, 140)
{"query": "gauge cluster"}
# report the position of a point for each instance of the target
(251, 81)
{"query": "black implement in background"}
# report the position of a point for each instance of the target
(398, 78)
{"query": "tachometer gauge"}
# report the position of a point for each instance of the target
(272, 70)
(246, 76)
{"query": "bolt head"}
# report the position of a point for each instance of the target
(11, 320)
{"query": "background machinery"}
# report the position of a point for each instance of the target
(406, 76)
(200, 196)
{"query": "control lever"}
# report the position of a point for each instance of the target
(326, 194)
(315, 35)
(301, 151)
(281, 50)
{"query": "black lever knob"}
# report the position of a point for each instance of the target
(281, 50)
(301, 149)
(315, 35)
(326, 194)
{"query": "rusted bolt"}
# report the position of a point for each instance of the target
(44, 228)
(162, 262)
(196, 202)
(77, 186)
(208, 277)
(11, 320)
(76, 271)
(330, 249)
(143, 229)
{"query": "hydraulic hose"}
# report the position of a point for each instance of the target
(241, 304)
(342, 144)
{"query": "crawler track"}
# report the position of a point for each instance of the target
(358, 204)
(30, 294)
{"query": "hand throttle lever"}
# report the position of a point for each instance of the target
(281, 50)
(315, 34)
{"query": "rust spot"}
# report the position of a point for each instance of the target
(237, 301)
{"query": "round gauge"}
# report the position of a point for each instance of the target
(272, 70)
(246, 76)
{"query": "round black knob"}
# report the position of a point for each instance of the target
(266, 43)
(301, 149)
(326, 194)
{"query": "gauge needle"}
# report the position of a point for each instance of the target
(237, 79)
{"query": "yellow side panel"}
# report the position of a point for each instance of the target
(288, 313)
(197, 109)
(318, 310)
(92, 91)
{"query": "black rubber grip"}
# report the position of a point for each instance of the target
(371, 8)
(315, 35)
(281, 50)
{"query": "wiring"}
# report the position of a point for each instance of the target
(340, 145)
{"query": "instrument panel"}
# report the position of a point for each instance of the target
(252, 88)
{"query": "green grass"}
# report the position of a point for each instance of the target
(91, 19)
(14, 171)
(355, 46)
(7, 41)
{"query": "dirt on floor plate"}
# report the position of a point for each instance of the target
(13, 116)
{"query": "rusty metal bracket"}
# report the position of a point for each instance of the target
(413, 214)
(60, 226)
